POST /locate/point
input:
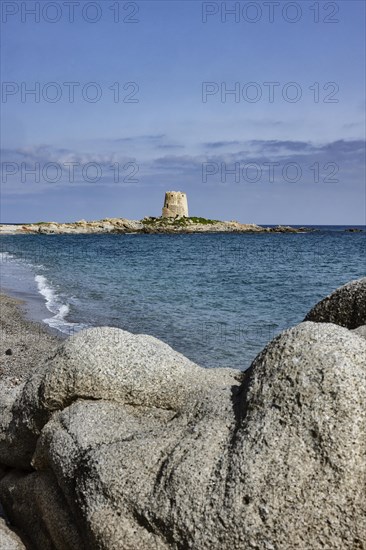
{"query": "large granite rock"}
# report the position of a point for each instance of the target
(119, 442)
(361, 331)
(8, 539)
(345, 307)
(302, 458)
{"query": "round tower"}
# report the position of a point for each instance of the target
(175, 204)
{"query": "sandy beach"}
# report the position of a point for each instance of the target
(23, 343)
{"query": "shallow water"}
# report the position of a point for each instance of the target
(216, 298)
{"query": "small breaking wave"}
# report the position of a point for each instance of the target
(55, 306)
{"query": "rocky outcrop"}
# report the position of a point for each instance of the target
(202, 225)
(147, 225)
(361, 331)
(197, 225)
(108, 225)
(119, 442)
(345, 307)
(8, 539)
(125, 400)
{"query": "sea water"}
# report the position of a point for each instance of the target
(216, 298)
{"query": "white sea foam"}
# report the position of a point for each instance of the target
(55, 306)
(48, 293)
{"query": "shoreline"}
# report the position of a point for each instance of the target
(33, 309)
(205, 295)
(72, 282)
(24, 343)
(109, 401)
(32, 290)
(24, 346)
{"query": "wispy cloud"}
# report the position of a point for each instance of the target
(220, 144)
(348, 156)
(282, 145)
(345, 160)
(141, 138)
(45, 154)
(170, 146)
(27, 170)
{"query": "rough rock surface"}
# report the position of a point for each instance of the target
(305, 435)
(120, 443)
(8, 539)
(345, 307)
(361, 331)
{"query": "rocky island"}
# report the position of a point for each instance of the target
(147, 225)
(174, 219)
(114, 441)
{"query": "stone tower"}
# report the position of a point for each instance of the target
(175, 204)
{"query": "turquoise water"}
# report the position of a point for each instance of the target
(218, 299)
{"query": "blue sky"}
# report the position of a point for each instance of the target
(273, 160)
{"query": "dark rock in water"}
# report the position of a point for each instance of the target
(120, 443)
(345, 307)
(354, 230)
(308, 230)
(282, 229)
(9, 352)
(288, 229)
